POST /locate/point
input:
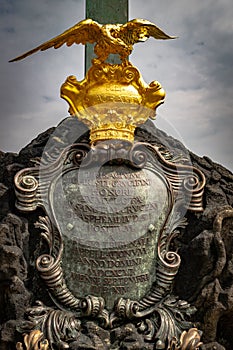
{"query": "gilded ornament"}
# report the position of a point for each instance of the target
(34, 341)
(112, 99)
(109, 38)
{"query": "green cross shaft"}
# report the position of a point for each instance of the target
(105, 11)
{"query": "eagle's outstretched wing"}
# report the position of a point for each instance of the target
(140, 30)
(87, 31)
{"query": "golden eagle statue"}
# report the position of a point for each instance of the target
(109, 38)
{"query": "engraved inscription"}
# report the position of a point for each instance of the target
(110, 219)
(116, 98)
(115, 272)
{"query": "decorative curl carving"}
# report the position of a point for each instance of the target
(190, 182)
(126, 308)
(193, 185)
(49, 267)
(130, 73)
(92, 306)
(171, 260)
(79, 156)
(168, 261)
(51, 272)
(29, 182)
(26, 187)
(138, 156)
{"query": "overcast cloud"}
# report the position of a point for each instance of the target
(195, 69)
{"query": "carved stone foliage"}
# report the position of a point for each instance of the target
(118, 280)
(126, 337)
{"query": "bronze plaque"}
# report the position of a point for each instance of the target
(111, 213)
(110, 218)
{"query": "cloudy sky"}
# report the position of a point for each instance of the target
(196, 69)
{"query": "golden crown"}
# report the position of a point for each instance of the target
(112, 100)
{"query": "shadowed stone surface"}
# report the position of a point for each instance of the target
(205, 278)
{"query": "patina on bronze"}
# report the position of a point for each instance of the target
(110, 217)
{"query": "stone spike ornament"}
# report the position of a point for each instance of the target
(109, 38)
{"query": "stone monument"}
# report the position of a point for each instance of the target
(111, 203)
